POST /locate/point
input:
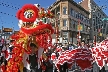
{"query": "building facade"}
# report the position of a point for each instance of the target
(6, 32)
(72, 21)
(99, 28)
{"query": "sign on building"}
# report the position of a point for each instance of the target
(80, 27)
(7, 30)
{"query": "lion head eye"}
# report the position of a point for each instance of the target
(28, 15)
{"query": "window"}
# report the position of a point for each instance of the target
(71, 12)
(88, 21)
(71, 23)
(65, 22)
(64, 10)
(65, 34)
(74, 24)
(81, 17)
(94, 29)
(76, 15)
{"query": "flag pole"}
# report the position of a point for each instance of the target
(79, 32)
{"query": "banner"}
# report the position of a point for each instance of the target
(100, 34)
(80, 27)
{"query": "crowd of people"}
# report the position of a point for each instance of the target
(32, 63)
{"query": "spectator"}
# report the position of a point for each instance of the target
(1, 46)
(33, 59)
(83, 45)
(106, 67)
(70, 46)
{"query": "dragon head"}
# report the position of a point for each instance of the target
(34, 20)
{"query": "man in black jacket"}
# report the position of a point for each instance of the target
(33, 59)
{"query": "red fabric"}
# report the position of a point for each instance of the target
(6, 54)
(58, 49)
(84, 64)
(28, 60)
(43, 67)
(100, 53)
(76, 55)
(37, 29)
(53, 56)
(70, 66)
(3, 68)
(18, 14)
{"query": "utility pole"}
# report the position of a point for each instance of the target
(79, 28)
(57, 32)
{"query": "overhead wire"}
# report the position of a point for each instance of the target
(103, 5)
(7, 14)
(9, 6)
(6, 4)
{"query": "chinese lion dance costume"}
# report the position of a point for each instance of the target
(35, 27)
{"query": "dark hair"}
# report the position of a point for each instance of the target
(83, 41)
(33, 45)
(12, 41)
(7, 43)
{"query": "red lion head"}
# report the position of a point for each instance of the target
(33, 20)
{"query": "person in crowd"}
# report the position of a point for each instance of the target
(32, 59)
(70, 46)
(64, 67)
(5, 56)
(106, 66)
(97, 44)
(26, 62)
(59, 49)
(49, 62)
(11, 45)
(6, 52)
(83, 45)
(90, 44)
(103, 69)
(1, 46)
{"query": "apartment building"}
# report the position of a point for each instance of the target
(99, 28)
(72, 21)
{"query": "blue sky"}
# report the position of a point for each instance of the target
(9, 8)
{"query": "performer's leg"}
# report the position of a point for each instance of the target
(25, 70)
(34, 70)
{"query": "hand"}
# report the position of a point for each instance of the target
(2, 64)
